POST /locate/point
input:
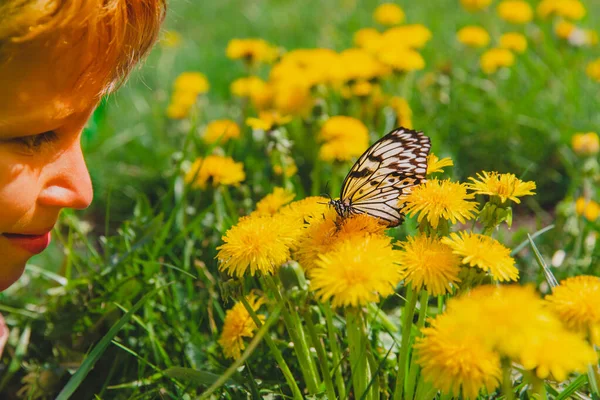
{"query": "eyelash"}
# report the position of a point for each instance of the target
(34, 142)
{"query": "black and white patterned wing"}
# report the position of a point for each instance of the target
(389, 169)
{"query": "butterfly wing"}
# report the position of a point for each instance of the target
(390, 168)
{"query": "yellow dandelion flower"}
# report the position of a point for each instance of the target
(341, 150)
(251, 50)
(456, 360)
(306, 210)
(358, 270)
(171, 39)
(362, 88)
(344, 137)
(564, 29)
(586, 143)
(475, 5)
(178, 110)
(503, 186)
(414, 36)
(291, 97)
(570, 9)
(342, 127)
(593, 70)
(258, 244)
(388, 14)
(367, 38)
(434, 164)
(238, 325)
(569, 354)
(215, 170)
(325, 230)
(268, 120)
(588, 208)
(355, 64)
(272, 202)
(514, 41)
(494, 59)
(430, 264)
(259, 91)
(473, 36)
(402, 110)
(437, 200)
(485, 253)
(194, 82)
(577, 302)
(515, 11)
(288, 167)
(402, 59)
(221, 130)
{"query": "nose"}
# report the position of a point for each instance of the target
(67, 181)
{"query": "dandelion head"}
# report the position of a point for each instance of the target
(194, 82)
(438, 200)
(515, 11)
(514, 41)
(401, 59)
(367, 38)
(356, 271)
(251, 50)
(429, 264)
(586, 143)
(268, 120)
(388, 14)
(238, 325)
(569, 9)
(485, 253)
(588, 208)
(435, 164)
(256, 244)
(494, 59)
(577, 302)
(473, 36)
(475, 5)
(305, 210)
(215, 171)
(221, 131)
(593, 70)
(503, 186)
(455, 360)
(271, 203)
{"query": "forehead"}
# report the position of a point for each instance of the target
(40, 91)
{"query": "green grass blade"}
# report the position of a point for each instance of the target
(573, 386)
(540, 260)
(99, 349)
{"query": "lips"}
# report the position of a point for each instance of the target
(32, 243)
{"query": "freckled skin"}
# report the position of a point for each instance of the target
(37, 183)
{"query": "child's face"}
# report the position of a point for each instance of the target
(42, 169)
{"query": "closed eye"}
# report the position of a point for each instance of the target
(35, 142)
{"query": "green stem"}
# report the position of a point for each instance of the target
(318, 344)
(593, 379)
(335, 350)
(507, 388)
(539, 390)
(414, 367)
(407, 317)
(357, 346)
(296, 332)
(274, 350)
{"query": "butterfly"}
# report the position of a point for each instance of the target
(387, 170)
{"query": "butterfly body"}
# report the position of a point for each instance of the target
(386, 171)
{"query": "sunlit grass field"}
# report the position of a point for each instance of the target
(162, 289)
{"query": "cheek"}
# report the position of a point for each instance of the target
(19, 189)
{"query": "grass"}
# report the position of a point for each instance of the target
(144, 231)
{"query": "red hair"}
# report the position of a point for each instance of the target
(116, 34)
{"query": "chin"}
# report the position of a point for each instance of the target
(10, 274)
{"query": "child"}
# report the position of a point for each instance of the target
(57, 59)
